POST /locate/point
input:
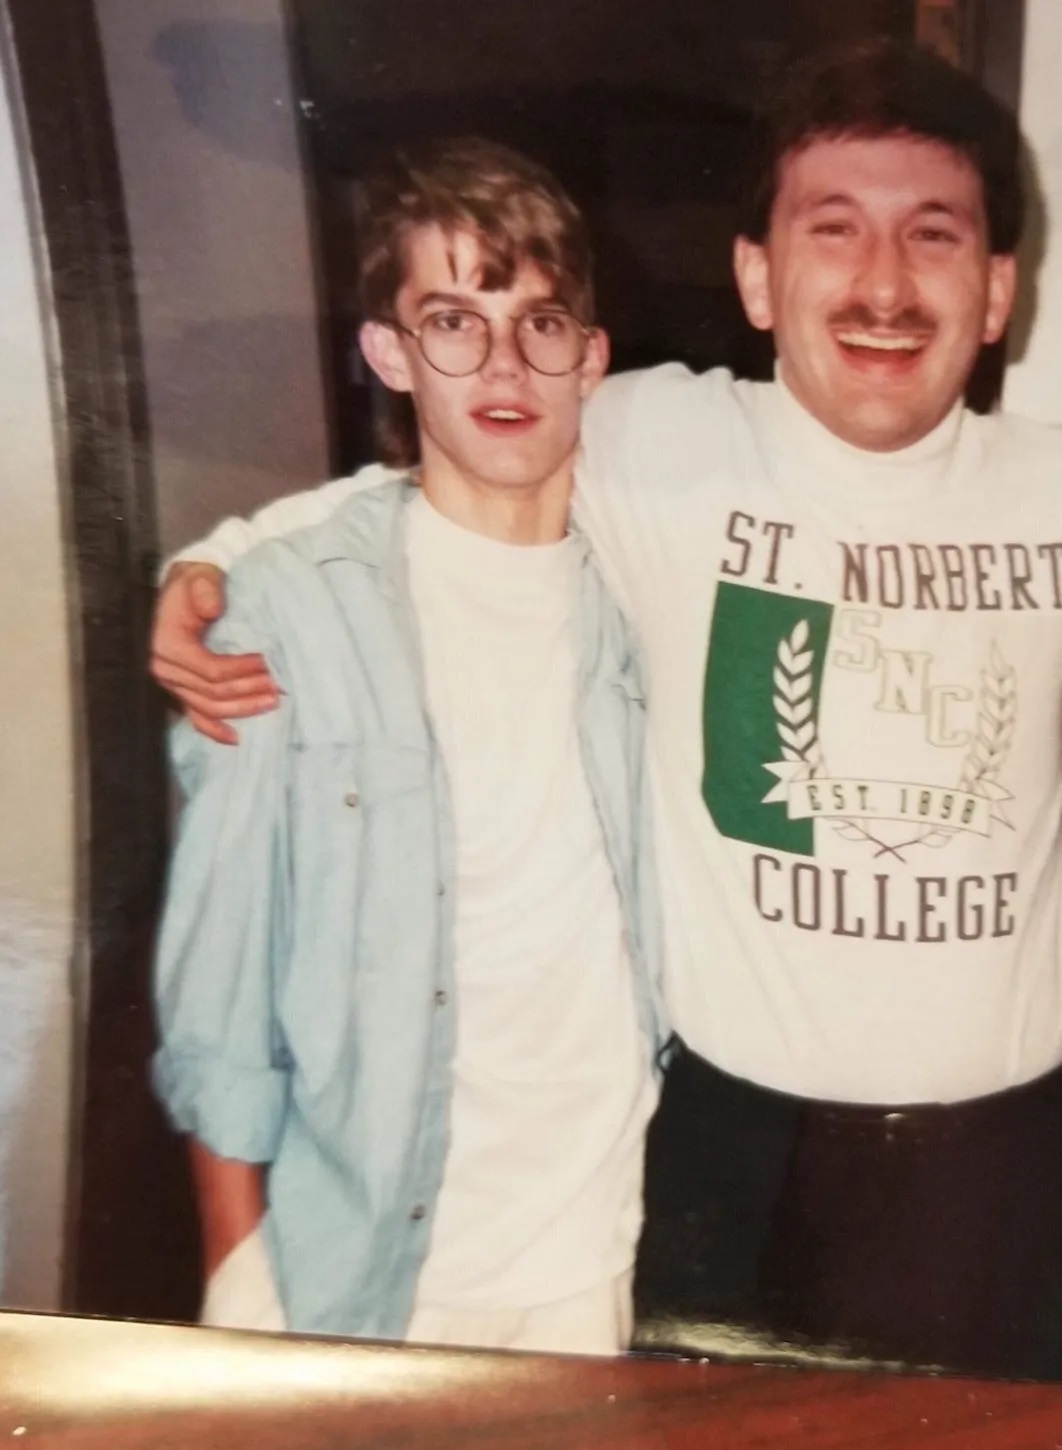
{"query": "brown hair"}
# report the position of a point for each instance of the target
(517, 211)
(885, 87)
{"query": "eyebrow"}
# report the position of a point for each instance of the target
(462, 300)
(441, 299)
(952, 209)
(835, 198)
(932, 207)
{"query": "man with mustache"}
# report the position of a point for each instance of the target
(848, 588)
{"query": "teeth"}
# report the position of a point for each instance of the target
(508, 414)
(882, 344)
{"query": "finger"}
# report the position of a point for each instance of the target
(178, 677)
(207, 598)
(226, 709)
(207, 667)
(214, 729)
(187, 686)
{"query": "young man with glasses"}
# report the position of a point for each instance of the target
(407, 971)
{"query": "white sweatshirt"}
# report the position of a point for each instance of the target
(855, 728)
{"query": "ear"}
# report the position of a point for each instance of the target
(595, 363)
(752, 272)
(1002, 282)
(381, 347)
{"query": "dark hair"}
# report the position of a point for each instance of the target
(883, 87)
(516, 209)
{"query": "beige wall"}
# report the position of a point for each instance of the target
(36, 777)
(216, 197)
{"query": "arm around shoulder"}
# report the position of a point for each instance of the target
(236, 536)
(638, 426)
(212, 686)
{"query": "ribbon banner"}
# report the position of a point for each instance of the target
(807, 797)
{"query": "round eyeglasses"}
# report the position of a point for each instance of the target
(457, 341)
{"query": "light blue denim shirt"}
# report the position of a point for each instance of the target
(305, 970)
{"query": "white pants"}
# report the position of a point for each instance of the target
(241, 1294)
(600, 1320)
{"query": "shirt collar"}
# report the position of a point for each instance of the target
(369, 528)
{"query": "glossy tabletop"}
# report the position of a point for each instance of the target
(88, 1384)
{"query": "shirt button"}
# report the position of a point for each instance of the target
(441, 998)
(352, 798)
(440, 890)
(417, 1212)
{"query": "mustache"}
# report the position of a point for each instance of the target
(861, 318)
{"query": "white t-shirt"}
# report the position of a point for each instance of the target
(541, 1196)
(855, 732)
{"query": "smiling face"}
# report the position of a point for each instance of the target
(504, 428)
(878, 283)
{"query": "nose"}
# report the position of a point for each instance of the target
(885, 279)
(504, 359)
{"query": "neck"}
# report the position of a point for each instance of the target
(933, 443)
(521, 514)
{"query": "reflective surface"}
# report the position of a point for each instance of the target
(75, 1384)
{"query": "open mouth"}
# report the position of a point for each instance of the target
(504, 419)
(897, 351)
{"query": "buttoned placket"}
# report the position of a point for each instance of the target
(425, 1191)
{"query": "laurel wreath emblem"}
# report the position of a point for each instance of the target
(995, 734)
(793, 705)
(798, 733)
(794, 711)
(991, 745)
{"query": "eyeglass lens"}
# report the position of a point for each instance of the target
(458, 343)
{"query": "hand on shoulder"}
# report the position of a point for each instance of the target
(209, 687)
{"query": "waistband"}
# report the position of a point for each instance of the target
(991, 1113)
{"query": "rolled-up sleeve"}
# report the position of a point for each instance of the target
(220, 1069)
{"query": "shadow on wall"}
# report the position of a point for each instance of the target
(232, 81)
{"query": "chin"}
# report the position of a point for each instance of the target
(879, 429)
(887, 438)
(511, 482)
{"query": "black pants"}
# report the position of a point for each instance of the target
(930, 1235)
